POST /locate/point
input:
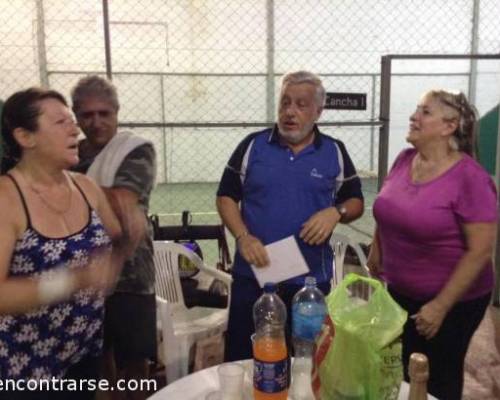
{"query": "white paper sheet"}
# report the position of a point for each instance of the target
(285, 262)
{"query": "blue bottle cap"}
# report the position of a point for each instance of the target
(269, 287)
(310, 281)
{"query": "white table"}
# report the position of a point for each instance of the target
(197, 385)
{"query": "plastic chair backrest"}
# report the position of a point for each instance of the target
(188, 232)
(339, 243)
(168, 283)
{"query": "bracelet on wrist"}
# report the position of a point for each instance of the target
(56, 286)
(241, 235)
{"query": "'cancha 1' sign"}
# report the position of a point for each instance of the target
(345, 101)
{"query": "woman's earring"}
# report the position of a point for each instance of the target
(453, 143)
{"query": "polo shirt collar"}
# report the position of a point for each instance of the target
(274, 136)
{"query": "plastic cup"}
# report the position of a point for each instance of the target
(231, 377)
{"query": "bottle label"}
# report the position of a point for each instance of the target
(306, 325)
(270, 377)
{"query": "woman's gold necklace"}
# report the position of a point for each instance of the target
(62, 211)
(422, 173)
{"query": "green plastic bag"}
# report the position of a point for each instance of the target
(358, 352)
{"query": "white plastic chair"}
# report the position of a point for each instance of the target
(339, 243)
(189, 324)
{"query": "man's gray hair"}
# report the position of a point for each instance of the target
(306, 77)
(94, 86)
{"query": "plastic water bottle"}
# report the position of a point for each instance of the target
(301, 388)
(308, 313)
(270, 377)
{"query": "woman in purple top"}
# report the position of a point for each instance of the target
(436, 222)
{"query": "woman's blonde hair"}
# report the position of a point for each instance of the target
(464, 138)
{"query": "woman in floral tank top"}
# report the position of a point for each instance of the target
(56, 253)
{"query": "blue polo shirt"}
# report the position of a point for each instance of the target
(279, 191)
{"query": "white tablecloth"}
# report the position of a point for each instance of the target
(197, 385)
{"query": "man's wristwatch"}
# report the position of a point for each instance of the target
(342, 211)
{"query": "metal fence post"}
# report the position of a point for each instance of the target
(40, 38)
(270, 106)
(107, 38)
(474, 45)
(496, 290)
(385, 107)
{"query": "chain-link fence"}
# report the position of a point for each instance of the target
(196, 76)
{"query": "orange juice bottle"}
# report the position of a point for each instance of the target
(270, 368)
(270, 378)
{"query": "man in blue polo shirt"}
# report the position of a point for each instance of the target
(288, 180)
